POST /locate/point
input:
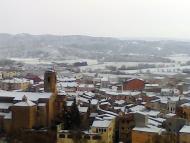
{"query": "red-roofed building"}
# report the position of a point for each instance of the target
(33, 77)
(134, 84)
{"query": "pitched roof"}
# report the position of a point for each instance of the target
(25, 102)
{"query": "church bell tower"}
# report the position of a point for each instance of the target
(50, 81)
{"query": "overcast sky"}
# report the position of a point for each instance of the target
(115, 18)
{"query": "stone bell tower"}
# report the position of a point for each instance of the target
(50, 81)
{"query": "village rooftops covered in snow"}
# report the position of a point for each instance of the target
(17, 96)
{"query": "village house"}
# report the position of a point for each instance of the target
(145, 134)
(15, 84)
(126, 124)
(102, 131)
(7, 74)
(152, 88)
(143, 131)
(185, 111)
(86, 87)
(133, 85)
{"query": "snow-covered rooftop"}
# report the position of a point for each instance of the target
(67, 84)
(94, 101)
(101, 123)
(170, 115)
(25, 102)
(152, 113)
(69, 103)
(83, 109)
(151, 85)
(137, 108)
(16, 80)
(33, 96)
(119, 102)
(149, 128)
(186, 105)
(185, 129)
(5, 105)
(6, 115)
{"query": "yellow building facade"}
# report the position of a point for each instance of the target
(15, 84)
(184, 135)
(102, 131)
(186, 111)
(26, 108)
(9, 74)
(145, 134)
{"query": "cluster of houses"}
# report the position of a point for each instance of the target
(130, 109)
(113, 108)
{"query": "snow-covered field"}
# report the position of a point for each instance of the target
(31, 61)
(161, 68)
(182, 58)
(39, 61)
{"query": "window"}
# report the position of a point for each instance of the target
(96, 130)
(96, 137)
(62, 136)
(49, 79)
(87, 137)
(69, 136)
(37, 113)
(79, 136)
